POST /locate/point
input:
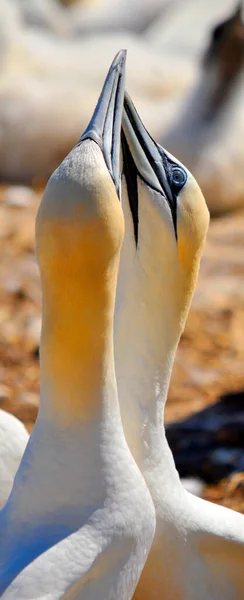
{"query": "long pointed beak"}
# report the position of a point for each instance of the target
(105, 125)
(147, 154)
(144, 158)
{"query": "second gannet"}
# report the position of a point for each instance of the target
(198, 548)
(77, 475)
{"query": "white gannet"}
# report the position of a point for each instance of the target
(77, 473)
(13, 440)
(198, 548)
(207, 133)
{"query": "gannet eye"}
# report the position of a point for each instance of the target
(178, 176)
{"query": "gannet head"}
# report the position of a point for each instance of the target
(73, 230)
(166, 223)
(79, 231)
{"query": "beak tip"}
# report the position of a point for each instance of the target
(120, 60)
(121, 56)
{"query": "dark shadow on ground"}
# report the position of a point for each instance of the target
(210, 443)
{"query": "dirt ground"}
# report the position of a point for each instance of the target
(210, 357)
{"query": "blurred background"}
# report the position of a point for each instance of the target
(185, 75)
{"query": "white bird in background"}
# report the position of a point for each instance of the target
(13, 440)
(77, 473)
(198, 548)
(207, 133)
(184, 30)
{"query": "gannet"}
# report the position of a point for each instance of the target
(13, 440)
(198, 548)
(207, 133)
(77, 473)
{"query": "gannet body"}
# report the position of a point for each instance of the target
(198, 548)
(13, 440)
(207, 133)
(77, 475)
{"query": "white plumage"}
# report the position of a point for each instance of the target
(13, 440)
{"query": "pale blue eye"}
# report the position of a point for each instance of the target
(178, 176)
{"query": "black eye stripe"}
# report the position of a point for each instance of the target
(156, 168)
(131, 173)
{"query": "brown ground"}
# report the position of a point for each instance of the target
(211, 354)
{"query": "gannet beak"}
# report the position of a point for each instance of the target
(105, 125)
(148, 156)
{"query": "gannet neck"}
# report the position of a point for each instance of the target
(78, 308)
(158, 270)
(146, 332)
